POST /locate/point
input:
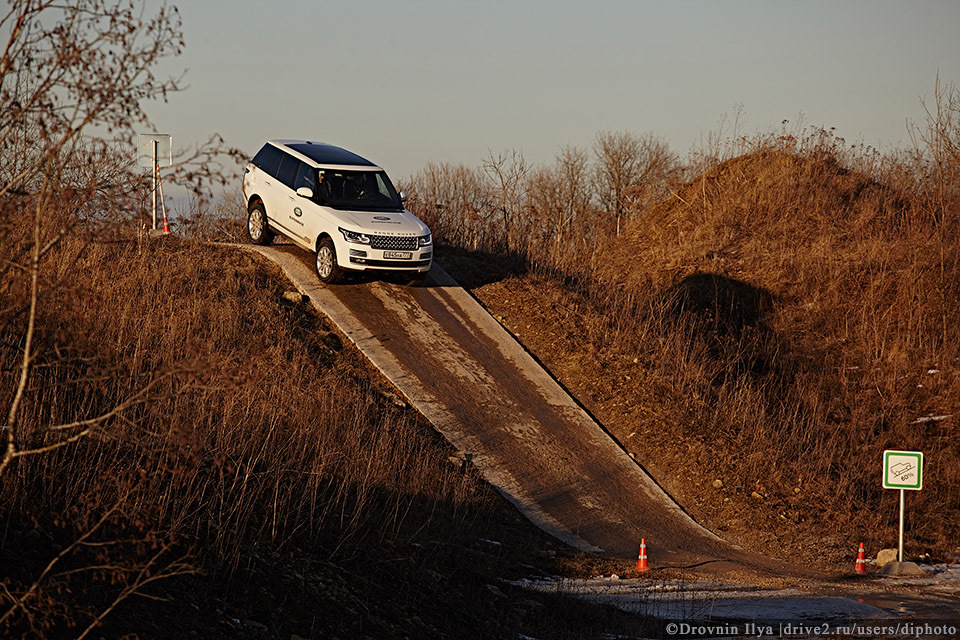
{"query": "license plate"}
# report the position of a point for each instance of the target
(397, 255)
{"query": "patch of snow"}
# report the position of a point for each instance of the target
(931, 418)
(699, 599)
(941, 578)
(708, 599)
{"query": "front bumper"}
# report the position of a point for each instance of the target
(362, 257)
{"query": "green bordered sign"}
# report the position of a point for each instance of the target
(903, 470)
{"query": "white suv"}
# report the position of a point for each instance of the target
(334, 203)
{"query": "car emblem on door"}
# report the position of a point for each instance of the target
(297, 212)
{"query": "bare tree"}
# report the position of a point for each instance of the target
(454, 200)
(572, 166)
(545, 202)
(507, 171)
(560, 194)
(631, 170)
(74, 80)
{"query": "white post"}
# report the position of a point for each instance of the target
(153, 185)
(902, 493)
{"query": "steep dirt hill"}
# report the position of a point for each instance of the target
(757, 340)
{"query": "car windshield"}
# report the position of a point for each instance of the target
(357, 190)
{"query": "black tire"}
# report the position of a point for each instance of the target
(257, 227)
(328, 270)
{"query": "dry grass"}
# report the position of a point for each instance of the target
(265, 449)
(777, 322)
(856, 306)
(263, 471)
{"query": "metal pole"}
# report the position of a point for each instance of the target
(153, 186)
(902, 493)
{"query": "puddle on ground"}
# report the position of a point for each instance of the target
(936, 597)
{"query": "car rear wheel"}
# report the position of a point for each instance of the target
(328, 270)
(257, 227)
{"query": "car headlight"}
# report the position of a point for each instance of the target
(425, 241)
(354, 237)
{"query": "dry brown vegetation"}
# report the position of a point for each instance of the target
(184, 452)
(267, 475)
(782, 317)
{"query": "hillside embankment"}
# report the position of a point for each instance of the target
(254, 475)
(757, 340)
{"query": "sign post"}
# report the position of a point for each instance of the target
(154, 149)
(902, 470)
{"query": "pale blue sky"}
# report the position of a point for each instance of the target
(408, 82)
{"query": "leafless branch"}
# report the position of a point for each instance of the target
(19, 603)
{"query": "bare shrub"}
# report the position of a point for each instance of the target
(631, 172)
(219, 220)
(560, 195)
(507, 173)
(937, 153)
(455, 202)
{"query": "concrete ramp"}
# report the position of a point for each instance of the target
(521, 430)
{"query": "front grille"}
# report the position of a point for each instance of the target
(393, 243)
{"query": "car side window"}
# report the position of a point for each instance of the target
(287, 172)
(305, 178)
(268, 159)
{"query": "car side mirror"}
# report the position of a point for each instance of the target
(305, 192)
(403, 196)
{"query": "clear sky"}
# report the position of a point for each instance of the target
(412, 81)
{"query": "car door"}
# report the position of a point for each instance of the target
(289, 213)
(306, 211)
(264, 181)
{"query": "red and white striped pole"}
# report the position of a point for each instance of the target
(163, 207)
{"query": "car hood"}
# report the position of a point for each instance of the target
(384, 223)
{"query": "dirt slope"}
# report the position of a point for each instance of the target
(756, 341)
(508, 417)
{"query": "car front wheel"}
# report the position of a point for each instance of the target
(328, 270)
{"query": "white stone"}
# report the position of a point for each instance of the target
(886, 556)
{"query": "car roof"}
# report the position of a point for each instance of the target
(325, 155)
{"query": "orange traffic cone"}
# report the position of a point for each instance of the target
(642, 560)
(861, 561)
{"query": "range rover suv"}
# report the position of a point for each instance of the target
(337, 205)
